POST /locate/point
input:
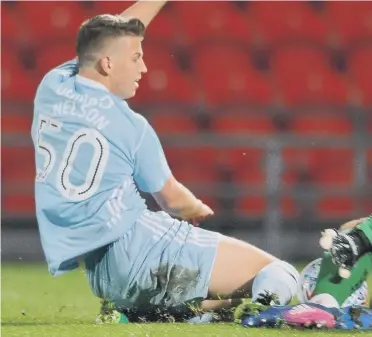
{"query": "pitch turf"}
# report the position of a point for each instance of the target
(36, 304)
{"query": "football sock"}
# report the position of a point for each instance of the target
(279, 278)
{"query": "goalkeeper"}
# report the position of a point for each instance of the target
(346, 264)
(343, 269)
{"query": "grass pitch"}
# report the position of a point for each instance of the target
(36, 304)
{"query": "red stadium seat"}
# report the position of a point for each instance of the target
(241, 157)
(112, 7)
(251, 206)
(16, 82)
(164, 27)
(212, 20)
(54, 55)
(164, 82)
(334, 166)
(16, 123)
(18, 204)
(321, 124)
(352, 20)
(369, 156)
(369, 165)
(208, 200)
(60, 19)
(193, 164)
(172, 123)
(304, 75)
(285, 20)
(12, 26)
(232, 122)
(253, 176)
(226, 76)
(195, 174)
(335, 206)
(18, 164)
(247, 164)
(194, 156)
(329, 167)
(289, 206)
(362, 71)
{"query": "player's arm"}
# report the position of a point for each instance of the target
(153, 175)
(144, 10)
(177, 200)
(352, 224)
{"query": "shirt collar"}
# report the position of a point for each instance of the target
(90, 83)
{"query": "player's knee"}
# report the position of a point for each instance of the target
(278, 277)
(290, 269)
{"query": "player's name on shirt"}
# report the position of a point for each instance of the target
(83, 106)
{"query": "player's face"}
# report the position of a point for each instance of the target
(127, 66)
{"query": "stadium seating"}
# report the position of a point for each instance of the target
(205, 21)
(335, 206)
(172, 123)
(165, 81)
(59, 19)
(16, 123)
(16, 82)
(11, 25)
(236, 80)
(287, 21)
(53, 55)
(236, 61)
(321, 124)
(304, 76)
(362, 74)
(17, 159)
(350, 20)
(18, 205)
(252, 206)
(329, 167)
(243, 121)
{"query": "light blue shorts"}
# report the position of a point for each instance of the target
(160, 262)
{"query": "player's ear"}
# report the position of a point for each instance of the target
(105, 64)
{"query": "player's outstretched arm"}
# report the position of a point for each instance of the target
(352, 224)
(144, 10)
(153, 175)
(177, 200)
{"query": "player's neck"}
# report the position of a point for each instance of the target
(93, 75)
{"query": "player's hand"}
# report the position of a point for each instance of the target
(202, 213)
(351, 224)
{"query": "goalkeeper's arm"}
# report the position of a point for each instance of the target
(352, 224)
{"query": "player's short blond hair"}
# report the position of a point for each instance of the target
(96, 30)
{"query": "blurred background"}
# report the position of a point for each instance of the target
(264, 110)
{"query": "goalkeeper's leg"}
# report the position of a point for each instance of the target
(331, 289)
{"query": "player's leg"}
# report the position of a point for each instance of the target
(346, 248)
(163, 263)
(254, 273)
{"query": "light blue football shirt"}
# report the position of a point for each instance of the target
(92, 151)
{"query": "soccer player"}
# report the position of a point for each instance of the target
(347, 263)
(93, 152)
(325, 308)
